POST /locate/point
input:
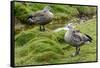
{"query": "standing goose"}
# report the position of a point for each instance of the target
(76, 39)
(42, 18)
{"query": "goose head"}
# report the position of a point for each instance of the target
(46, 9)
(70, 26)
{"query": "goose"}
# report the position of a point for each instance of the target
(76, 39)
(42, 17)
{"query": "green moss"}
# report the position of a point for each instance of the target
(34, 47)
(38, 44)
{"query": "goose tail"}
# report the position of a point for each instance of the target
(89, 38)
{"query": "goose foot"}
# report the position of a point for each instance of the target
(42, 28)
(77, 52)
(74, 54)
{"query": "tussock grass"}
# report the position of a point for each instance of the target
(34, 47)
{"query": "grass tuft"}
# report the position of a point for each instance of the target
(34, 47)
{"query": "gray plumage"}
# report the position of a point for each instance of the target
(76, 39)
(42, 18)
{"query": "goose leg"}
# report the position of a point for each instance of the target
(40, 28)
(43, 28)
(76, 52)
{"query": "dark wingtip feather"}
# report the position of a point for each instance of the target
(90, 39)
(29, 16)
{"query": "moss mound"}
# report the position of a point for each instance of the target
(41, 47)
(34, 47)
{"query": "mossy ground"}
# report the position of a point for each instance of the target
(33, 47)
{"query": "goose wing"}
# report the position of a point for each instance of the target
(87, 38)
(40, 17)
(77, 38)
